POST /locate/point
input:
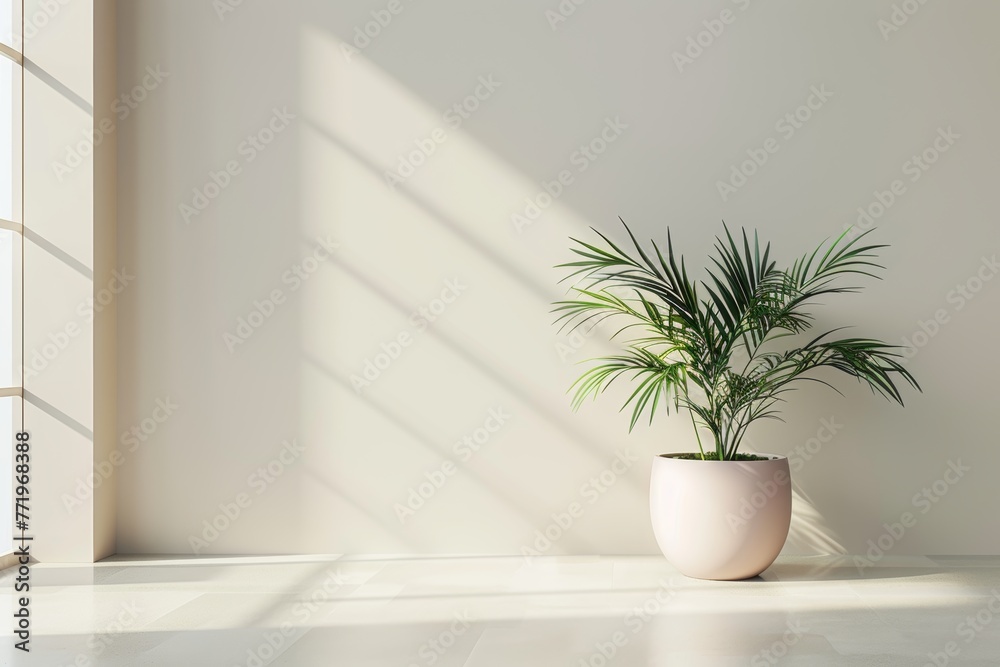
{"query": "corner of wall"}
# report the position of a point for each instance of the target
(105, 264)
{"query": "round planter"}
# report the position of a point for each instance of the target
(722, 520)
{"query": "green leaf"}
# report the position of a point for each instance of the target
(691, 349)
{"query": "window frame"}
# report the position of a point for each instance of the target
(15, 392)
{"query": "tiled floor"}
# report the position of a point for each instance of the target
(506, 612)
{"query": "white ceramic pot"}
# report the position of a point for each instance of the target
(723, 520)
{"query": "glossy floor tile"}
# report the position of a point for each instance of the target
(506, 612)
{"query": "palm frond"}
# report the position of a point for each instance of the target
(686, 354)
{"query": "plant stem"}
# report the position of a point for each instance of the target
(696, 435)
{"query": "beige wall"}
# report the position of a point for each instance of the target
(106, 264)
(210, 411)
(69, 215)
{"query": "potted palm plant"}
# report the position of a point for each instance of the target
(717, 348)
